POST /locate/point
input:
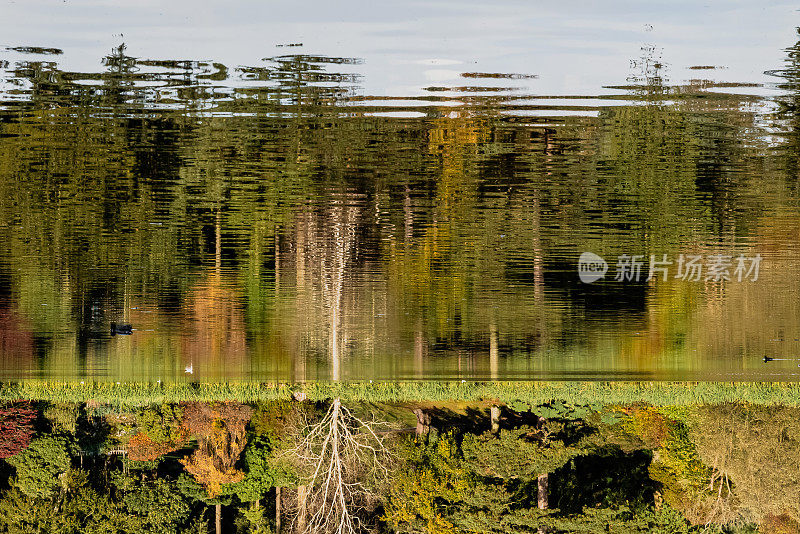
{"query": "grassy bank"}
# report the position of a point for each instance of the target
(585, 393)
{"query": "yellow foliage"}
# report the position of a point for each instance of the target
(207, 471)
(431, 479)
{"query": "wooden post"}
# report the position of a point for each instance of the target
(494, 414)
(542, 498)
(277, 510)
(541, 493)
(218, 522)
(423, 421)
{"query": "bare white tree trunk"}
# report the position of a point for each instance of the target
(335, 451)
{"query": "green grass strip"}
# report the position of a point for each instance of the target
(534, 393)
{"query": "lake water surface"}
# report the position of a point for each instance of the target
(399, 192)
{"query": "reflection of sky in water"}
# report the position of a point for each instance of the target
(574, 47)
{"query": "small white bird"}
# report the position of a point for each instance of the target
(189, 369)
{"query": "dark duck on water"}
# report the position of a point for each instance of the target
(121, 329)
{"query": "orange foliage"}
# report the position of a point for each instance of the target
(142, 448)
(199, 418)
(208, 471)
(214, 329)
(220, 431)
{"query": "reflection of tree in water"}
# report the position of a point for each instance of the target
(215, 331)
(479, 210)
(789, 111)
(298, 75)
(17, 350)
(127, 177)
(118, 80)
(648, 70)
(135, 86)
(326, 262)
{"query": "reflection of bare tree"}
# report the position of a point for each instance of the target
(326, 247)
(343, 242)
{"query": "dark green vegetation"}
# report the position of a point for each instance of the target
(427, 468)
